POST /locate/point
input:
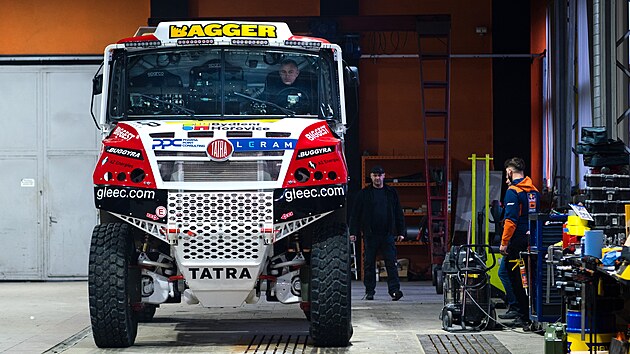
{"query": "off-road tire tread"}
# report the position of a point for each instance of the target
(147, 313)
(331, 324)
(114, 324)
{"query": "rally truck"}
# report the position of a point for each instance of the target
(219, 183)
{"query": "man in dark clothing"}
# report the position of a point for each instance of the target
(378, 214)
(521, 198)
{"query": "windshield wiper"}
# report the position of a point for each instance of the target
(286, 111)
(181, 109)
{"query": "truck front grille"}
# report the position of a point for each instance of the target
(227, 171)
(220, 225)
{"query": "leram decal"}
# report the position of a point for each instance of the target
(263, 144)
(306, 153)
(223, 30)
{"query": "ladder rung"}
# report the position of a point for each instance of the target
(435, 84)
(435, 113)
(436, 141)
(433, 56)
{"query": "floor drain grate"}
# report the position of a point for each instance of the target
(277, 344)
(461, 343)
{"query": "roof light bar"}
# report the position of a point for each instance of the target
(250, 41)
(150, 44)
(306, 44)
(195, 41)
(145, 41)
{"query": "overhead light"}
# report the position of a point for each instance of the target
(481, 30)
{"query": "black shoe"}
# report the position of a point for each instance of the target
(510, 315)
(518, 322)
(396, 295)
(369, 296)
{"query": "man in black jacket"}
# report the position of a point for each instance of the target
(378, 214)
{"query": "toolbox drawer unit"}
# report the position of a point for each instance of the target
(545, 301)
(604, 180)
(607, 196)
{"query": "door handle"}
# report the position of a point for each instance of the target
(51, 219)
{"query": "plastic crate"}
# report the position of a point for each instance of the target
(606, 206)
(613, 220)
(608, 193)
(603, 180)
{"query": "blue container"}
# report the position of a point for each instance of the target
(593, 243)
(604, 322)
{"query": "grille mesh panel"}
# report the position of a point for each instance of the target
(228, 171)
(221, 226)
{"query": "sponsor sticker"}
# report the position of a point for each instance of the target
(198, 30)
(220, 150)
(245, 126)
(131, 153)
(122, 133)
(160, 211)
(306, 153)
(317, 132)
(219, 273)
(103, 192)
(286, 215)
(161, 144)
(293, 194)
(263, 144)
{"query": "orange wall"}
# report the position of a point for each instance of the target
(253, 8)
(390, 88)
(391, 117)
(538, 45)
(67, 26)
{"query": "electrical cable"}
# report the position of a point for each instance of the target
(490, 318)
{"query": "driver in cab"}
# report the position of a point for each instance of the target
(288, 72)
(286, 90)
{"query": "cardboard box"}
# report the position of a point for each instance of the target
(403, 268)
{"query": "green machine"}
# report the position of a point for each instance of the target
(476, 239)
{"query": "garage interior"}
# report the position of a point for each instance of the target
(546, 81)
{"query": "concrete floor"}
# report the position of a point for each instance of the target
(53, 317)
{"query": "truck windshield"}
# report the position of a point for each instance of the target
(222, 82)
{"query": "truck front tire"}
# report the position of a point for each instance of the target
(330, 287)
(113, 286)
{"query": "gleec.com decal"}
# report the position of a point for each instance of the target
(292, 194)
(296, 203)
(306, 153)
(141, 203)
(123, 193)
(124, 152)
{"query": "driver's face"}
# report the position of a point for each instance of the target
(288, 73)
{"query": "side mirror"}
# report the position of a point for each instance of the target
(351, 76)
(97, 85)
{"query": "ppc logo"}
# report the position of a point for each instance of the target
(164, 143)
